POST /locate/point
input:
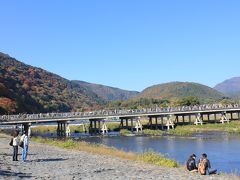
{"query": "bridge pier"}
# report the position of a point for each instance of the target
(61, 129)
(150, 123)
(138, 125)
(189, 119)
(224, 118)
(162, 127)
(170, 122)
(68, 131)
(131, 127)
(104, 128)
(96, 128)
(199, 119)
(26, 127)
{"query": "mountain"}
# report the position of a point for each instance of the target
(230, 87)
(108, 93)
(24, 88)
(178, 90)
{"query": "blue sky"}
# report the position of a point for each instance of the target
(130, 44)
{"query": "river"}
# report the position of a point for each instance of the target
(222, 149)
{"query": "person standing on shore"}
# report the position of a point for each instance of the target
(25, 141)
(15, 144)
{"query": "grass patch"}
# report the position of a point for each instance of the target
(149, 157)
(188, 130)
(125, 132)
(154, 158)
(153, 132)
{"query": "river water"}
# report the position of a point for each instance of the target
(223, 150)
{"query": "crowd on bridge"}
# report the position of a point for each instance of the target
(115, 112)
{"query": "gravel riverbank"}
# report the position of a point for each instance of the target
(47, 162)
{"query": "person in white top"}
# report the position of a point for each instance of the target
(25, 140)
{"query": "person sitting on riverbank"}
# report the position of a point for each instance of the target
(204, 166)
(191, 163)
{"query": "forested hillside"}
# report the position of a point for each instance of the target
(24, 88)
(108, 93)
(178, 90)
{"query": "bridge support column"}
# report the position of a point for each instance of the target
(170, 122)
(131, 124)
(224, 118)
(61, 129)
(183, 119)
(198, 119)
(189, 119)
(99, 126)
(150, 122)
(138, 125)
(162, 127)
(177, 120)
(156, 122)
(29, 130)
(95, 126)
(90, 130)
(127, 123)
(104, 128)
(26, 128)
(68, 131)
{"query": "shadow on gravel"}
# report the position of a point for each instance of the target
(14, 174)
(49, 160)
(10, 154)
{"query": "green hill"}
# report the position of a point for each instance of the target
(108, 93)
(24, 88)
(178, 90)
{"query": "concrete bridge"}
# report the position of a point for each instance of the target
(158, 118)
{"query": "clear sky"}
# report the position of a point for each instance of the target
(130, 44)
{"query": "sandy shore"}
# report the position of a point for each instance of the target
(47, 162)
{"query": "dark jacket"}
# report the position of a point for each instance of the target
(191, 164)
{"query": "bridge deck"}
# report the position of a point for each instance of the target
(117, 114)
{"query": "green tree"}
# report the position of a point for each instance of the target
(189, 101)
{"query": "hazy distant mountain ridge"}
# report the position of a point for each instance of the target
(24, 88)
(180, 90)
(108, 93)
(230, 87)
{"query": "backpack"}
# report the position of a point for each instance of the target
(11, 142)
(202, 166)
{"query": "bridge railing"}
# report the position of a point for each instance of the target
(42, 116)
